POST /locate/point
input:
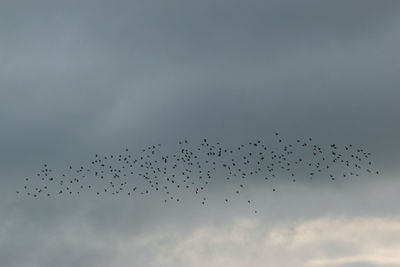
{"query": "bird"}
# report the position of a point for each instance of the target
(195, 167)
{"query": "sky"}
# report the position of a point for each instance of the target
(85, 77)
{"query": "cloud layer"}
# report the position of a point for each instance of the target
(85, 77)
(325, 241)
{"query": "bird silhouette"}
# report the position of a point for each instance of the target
(193, 168)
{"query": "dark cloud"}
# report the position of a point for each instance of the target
(85, 77)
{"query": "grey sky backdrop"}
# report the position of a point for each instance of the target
(85, 77)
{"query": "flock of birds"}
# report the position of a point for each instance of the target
(193, 168)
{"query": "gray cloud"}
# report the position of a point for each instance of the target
(85, 77)
(366, 241)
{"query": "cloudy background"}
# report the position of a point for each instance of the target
(85, 77)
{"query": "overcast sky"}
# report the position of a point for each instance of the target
(85, 77)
